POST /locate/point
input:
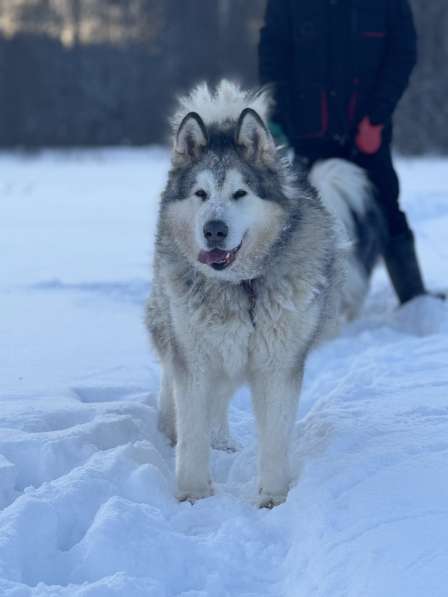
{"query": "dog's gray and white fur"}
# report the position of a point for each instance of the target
(248, 274)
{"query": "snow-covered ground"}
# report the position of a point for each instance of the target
(86, 480)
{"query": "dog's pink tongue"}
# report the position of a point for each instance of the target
(213, 256)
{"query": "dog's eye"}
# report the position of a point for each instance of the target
(201, 194)
(240, 193)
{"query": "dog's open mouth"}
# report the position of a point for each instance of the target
(219, 259)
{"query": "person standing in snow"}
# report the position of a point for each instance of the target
(339, 68)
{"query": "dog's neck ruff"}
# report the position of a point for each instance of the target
(249, 288)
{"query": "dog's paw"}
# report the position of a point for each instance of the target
(270, 500)
(225, 444)
(193, 495)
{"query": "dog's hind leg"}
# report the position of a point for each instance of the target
(192, 391)
(219, 420)
(275, 398)
(167, 408)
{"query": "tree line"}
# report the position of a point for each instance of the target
(105, 72)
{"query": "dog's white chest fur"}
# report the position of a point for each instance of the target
(217, 327)
(237, 330)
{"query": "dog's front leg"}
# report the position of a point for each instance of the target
(167, 410)
(193, 436)
(275, 397)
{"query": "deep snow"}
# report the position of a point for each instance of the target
(86, 480)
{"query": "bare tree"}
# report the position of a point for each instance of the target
(123, 61)
(422, 119)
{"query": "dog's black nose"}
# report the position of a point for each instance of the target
(215, 231)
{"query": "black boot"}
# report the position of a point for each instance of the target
(402, 266)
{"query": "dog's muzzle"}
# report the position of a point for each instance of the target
(218, 259)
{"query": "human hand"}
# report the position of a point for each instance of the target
(369, 137)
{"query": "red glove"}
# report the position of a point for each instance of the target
(368, 140)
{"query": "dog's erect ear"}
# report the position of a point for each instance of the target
(253, 137)
(191, 138)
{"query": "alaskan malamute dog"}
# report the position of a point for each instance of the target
(251, 269)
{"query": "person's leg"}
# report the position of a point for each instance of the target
(399, 248)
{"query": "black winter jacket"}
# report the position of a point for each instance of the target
(334, 62)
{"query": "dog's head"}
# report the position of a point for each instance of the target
(225, 201)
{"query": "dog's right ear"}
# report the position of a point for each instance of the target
(191, 138)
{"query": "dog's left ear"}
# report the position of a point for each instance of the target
(191, 138)
(253, 137)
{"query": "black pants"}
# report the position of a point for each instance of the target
(381, 172)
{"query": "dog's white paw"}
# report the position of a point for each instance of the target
(193, 495)
(273, 497)
(270, 500)
(225, 444)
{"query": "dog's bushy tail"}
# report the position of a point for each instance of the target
(345, 191)
(348, 195)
